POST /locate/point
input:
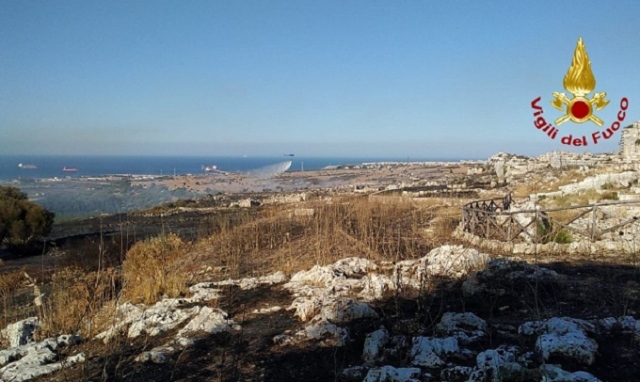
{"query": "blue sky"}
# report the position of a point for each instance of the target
(316, 78)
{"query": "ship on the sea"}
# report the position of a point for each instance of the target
(27, 166)
(69, 169)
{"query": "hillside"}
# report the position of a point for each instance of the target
(345, 286)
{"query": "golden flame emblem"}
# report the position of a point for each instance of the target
(579, 81)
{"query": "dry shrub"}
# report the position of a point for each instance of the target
(381, 227)
(444, 224)
(540, 184)
(146, 269)
(235, 245)
(9, 285)
(75, 298)
(566, 215)
(580, 198)
(10, 282)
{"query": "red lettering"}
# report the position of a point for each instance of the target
(534, 104)
(539, 122)
(624, 103)
(608, 133)
(595, 136)
(615, 126)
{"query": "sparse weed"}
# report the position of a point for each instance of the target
(553, 233)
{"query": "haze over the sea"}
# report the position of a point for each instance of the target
(39, 166)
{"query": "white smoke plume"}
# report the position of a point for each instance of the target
(270, 170)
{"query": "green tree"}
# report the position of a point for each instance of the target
(20, 219)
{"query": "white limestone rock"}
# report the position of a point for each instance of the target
(554, 373)
(126, 314)
(165, 315)
(466, 327)
(205, 319)
(563, 336)
(156, 355)
(29, 361)
(268, 310)
(626, 323)
(347, 310)
(454, 261)
(606, 324)
(432, 352)
(622, 179)
(204, 292)
(354, 373)
(208, 320)
(374, 345)
(330, 275)
(376, 286)
(283, 340)
(159, 319)
(499, 364)
(326, 291)
(28, 369)
(329, 334)
(21, 332)
(16, 353)
(391, 374)
(253, 282)
(306, 307)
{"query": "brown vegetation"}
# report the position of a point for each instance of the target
(81, 291)
(320, 232)
(145, 270)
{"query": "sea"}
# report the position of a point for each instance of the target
(24, 166)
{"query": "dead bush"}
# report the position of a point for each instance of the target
(146, 269)
(9, 285)
(75, 298)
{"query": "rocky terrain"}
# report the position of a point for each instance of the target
(453, 315)
(374, 282)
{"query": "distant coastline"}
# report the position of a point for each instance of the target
(52, 166)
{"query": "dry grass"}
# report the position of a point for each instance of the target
(82, 299)
(76, 298)
(390, 228)
(541, 185)
(10, 284)
(146, 269)
(579, 198)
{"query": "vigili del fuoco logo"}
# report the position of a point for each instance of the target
(579, 108)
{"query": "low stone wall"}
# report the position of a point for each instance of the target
(577, 247)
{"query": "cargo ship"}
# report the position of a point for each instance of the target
(69, 169)
(27, 166)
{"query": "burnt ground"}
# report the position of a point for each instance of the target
(583, 290)
(77, 242)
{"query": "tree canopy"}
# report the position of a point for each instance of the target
(20, 219)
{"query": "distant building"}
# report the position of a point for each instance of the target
(630, 142)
